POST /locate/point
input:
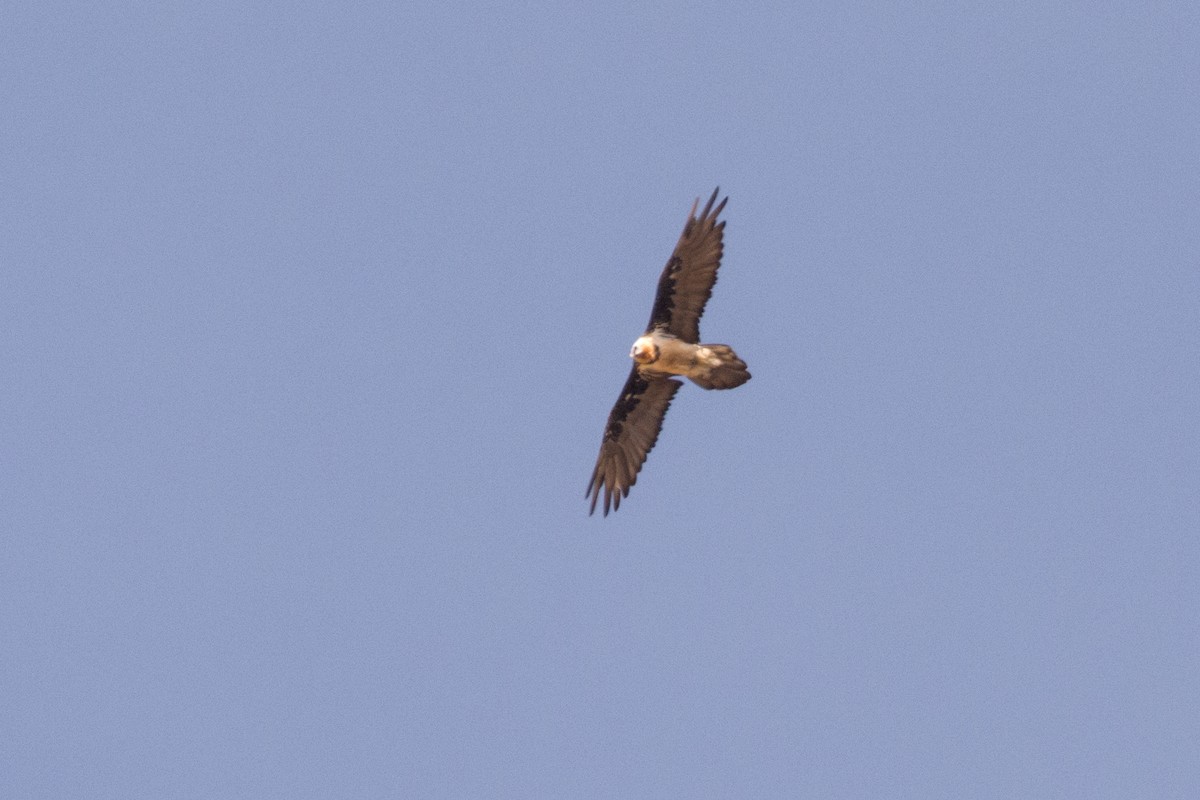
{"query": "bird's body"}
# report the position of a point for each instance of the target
(670, 346)
(712, 366)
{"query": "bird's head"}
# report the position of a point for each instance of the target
(644, 351)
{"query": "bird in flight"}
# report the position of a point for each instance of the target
(670, 346)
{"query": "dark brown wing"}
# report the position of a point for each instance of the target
(687, 281)
(630, 434)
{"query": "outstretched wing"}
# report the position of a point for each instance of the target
(687, 281)
(630, 434)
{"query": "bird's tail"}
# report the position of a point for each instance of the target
(720, 368)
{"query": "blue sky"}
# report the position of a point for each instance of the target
(312, 316)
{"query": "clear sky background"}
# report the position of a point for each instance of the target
(312, 314)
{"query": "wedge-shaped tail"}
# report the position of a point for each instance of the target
(719, 368)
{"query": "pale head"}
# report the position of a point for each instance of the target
(644, 351)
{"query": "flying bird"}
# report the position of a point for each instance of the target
(670, 346)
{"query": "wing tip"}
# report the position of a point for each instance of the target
(708, 207)
(597, 484)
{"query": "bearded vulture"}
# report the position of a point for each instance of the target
(670, 346)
